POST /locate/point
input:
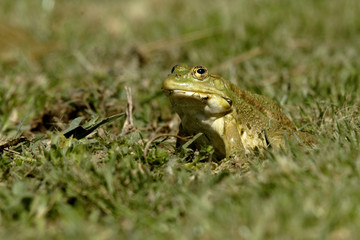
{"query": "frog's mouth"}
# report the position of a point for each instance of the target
(213, 103)
(204, 96)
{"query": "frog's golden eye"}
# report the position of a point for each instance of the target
(200, 72)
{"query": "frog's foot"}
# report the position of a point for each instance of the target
(236, 162)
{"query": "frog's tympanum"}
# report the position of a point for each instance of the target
(232, 120)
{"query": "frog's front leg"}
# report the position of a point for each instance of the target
(232, 138)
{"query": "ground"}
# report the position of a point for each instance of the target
(61, 60)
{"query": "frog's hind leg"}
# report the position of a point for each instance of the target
(304, 138)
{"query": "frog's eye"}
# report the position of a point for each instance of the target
(228, 100)
(200, 72)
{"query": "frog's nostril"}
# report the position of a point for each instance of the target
(173, 69)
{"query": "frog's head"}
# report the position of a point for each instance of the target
(196, 88)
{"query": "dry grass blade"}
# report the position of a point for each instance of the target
(167, 43)
(129, 122)
(144, 51)
(240, 58)
(84, 62)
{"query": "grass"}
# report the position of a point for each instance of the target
(67, 60)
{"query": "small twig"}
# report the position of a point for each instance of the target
(240, 58)
(12, 143)
(86, 64)
(21, 124)
(147, 146)
(168, 43)
(129, 122)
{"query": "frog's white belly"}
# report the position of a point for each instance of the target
(195, 122)
(215, 129)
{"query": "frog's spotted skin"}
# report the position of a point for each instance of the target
(232, 120)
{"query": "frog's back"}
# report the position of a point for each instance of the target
(269, 107)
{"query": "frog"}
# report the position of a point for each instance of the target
(232, 120)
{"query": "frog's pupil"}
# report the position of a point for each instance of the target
(228, 100)
(201, 71)
(173, 69)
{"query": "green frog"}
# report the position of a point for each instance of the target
(232, 120)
